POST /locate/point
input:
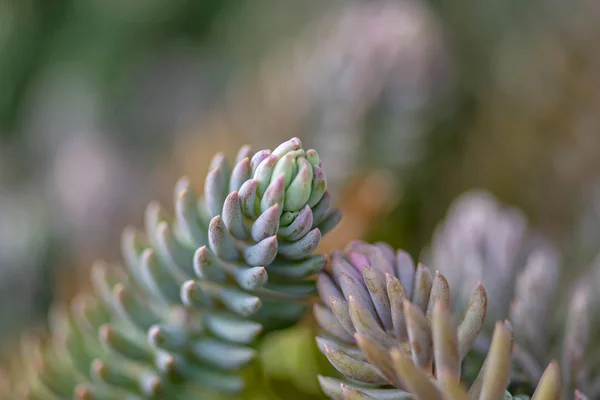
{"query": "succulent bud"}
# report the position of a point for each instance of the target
(280, 208)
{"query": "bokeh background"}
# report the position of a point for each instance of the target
(104, 103)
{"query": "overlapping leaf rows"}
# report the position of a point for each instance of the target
(389, 331)
(197, 286)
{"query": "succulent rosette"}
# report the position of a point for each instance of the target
(389, 331)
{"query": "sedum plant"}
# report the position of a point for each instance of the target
(200, 286)
(389, 332)
(480, 239)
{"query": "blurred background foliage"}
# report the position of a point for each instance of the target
(103, 104)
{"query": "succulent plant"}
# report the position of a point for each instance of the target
(389, 331)
(569, 335)
(269, 214)
(480, 239)
(197, 287)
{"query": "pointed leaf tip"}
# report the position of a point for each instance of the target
(262, 253)
(220, 240)
(549, 386)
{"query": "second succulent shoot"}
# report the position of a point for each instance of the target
(388, 330)
(265, 217)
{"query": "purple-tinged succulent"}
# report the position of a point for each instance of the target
(389, 330)
(480, 239)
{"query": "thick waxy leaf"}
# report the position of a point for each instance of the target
(472, 320)
(333, 389)
(267, 224)
(375, 282)
(549, 387)
(440, 293)
(297, 269)
(341, 310)
(274, 195)
(419, 335)
(233, 217)
(330, 324)
(445, 343)
(354, 394)
(414, 378)
(221, 354)
(366, 325)
(220, 240)
(301, 248)
(299, 227)
(262, 253)
(232, 328)
(353, 368)
(248, 198)
(119, 342)
(205, 266)
(497, 365)
(422, 287)
(380, 357)
(239, 175)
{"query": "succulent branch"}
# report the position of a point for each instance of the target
(389, 330)
(199, 287)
